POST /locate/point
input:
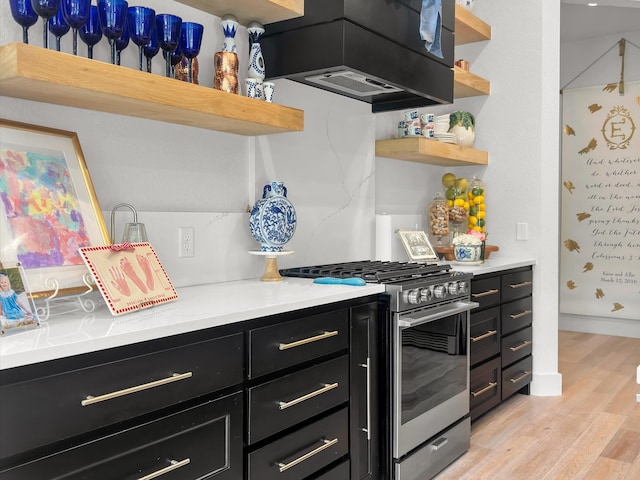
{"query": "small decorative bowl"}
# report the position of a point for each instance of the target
(467, 253)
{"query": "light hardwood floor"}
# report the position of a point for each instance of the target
(591, 432)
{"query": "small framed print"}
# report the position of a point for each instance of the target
(417, 245)
(16, 305)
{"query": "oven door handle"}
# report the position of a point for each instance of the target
(437, 313)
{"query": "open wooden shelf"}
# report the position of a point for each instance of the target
(263, 11)
(34, 73)
(424, 150)
(467, 84)
(469, 28)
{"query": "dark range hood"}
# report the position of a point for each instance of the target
(369, 50)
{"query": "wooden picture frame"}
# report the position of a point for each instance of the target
(48, 207)
(417, 245)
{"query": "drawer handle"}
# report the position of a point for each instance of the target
(326, 444)
(439, 443)
(522, 345)
(521, 377)
(484, 294)
(521, 314)
(490, 333)
(304, 341)
(326, 388)
(520, 285)
(90, 400)
(367, 430)
(485, 389)
(174, 466)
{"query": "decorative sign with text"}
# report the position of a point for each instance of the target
(600, 227)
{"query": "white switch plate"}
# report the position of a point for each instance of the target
(522, 231)
(185, 241)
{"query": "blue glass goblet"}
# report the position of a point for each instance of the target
(175, 58)
(190, 41)
(121, 43)
(152, 48)
(90, 32)
(113, 18)
(168, 29)
(76, 14)
(45, 9)
(24, 15)
(58, 26)
(140, 22)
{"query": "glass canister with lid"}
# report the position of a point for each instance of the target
(438, 215)
(477, 207)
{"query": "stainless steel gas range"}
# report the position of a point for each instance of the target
(425, 340)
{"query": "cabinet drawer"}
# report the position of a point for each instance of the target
(290, 343)
(516, 315)
(485, 334)
(516, 285)
(485, 387)
(339, 472)
(516, 346)
(203, 441)
(89, 398)
(279, 404)
(303, 452)
(516, 376)
(486, 291)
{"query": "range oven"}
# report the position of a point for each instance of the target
(424, 342)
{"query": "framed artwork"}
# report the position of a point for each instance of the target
(129, 276)
(16, 305)
(417, 245)
(48, 207)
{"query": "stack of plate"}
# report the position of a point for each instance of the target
(441, 123)
(446, 137)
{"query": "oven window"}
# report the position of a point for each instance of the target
(434, 364)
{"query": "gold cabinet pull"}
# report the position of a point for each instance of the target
(326, 388)
(325, 444)
(522, 345)
(484, 294)
(304, 341)
(485, 389)
(174, 466)
(90, 400)
(520, 285)
(521, 377)
(484, 335)
(521, 314)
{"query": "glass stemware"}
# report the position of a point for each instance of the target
(190, 41)
(121, 43)
(168, 29)
(24, 15)
(58, 26)
(90, 32)
(140, 22)
(152, 48)
(76, 14)
(45, 9)
(175, 58)
(113, 18)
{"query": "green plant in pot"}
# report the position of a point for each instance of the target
(463, 124)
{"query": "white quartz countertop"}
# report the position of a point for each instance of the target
(493, 265)
(198, 307)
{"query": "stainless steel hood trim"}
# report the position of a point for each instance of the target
(353, 83)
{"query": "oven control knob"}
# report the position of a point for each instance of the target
(426, 294)
(452, 288)
(462, 287)
(413, 296)
(439, 291)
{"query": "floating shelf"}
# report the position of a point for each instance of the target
(467, 84)
(424, 150)
(34, 73)
(263, 11)
(469, 28)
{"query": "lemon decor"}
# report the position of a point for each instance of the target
(476, 194)
(457, 201)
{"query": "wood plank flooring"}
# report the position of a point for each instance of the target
(591, 432)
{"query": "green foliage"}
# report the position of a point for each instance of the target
(464, 119)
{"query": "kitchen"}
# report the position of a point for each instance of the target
(334, 179)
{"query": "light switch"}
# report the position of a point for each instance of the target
(522, 231)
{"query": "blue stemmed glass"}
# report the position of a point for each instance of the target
(90, 32)
(76, 14)
(45, 9)
(121, 43)
(168, 29)
(113, 18)
(175, 58)
(152, 48)
(190, 41)
(24, 15)
(140, 21)
(58, 26)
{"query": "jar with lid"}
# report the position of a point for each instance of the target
(438, 215)
(477, 207)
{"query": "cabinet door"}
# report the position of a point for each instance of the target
(484, 386)
(485, 291)
(517, 377)
(485, 334)
(516, 285)
(516, 346)
(516, 315)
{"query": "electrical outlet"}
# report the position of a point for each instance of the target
(185, 242)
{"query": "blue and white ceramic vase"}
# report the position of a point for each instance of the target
(229, 25)
(273, 219)
(256, 61)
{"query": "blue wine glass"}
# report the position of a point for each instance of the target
(45, 9)
(121, 43)
(152, 48)
(58, 26)
(24, 15)
(113, 18)
(175, 58)
(168, 29)
(90, 32)
(141, 21)
(76, 14)
(190, 41)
